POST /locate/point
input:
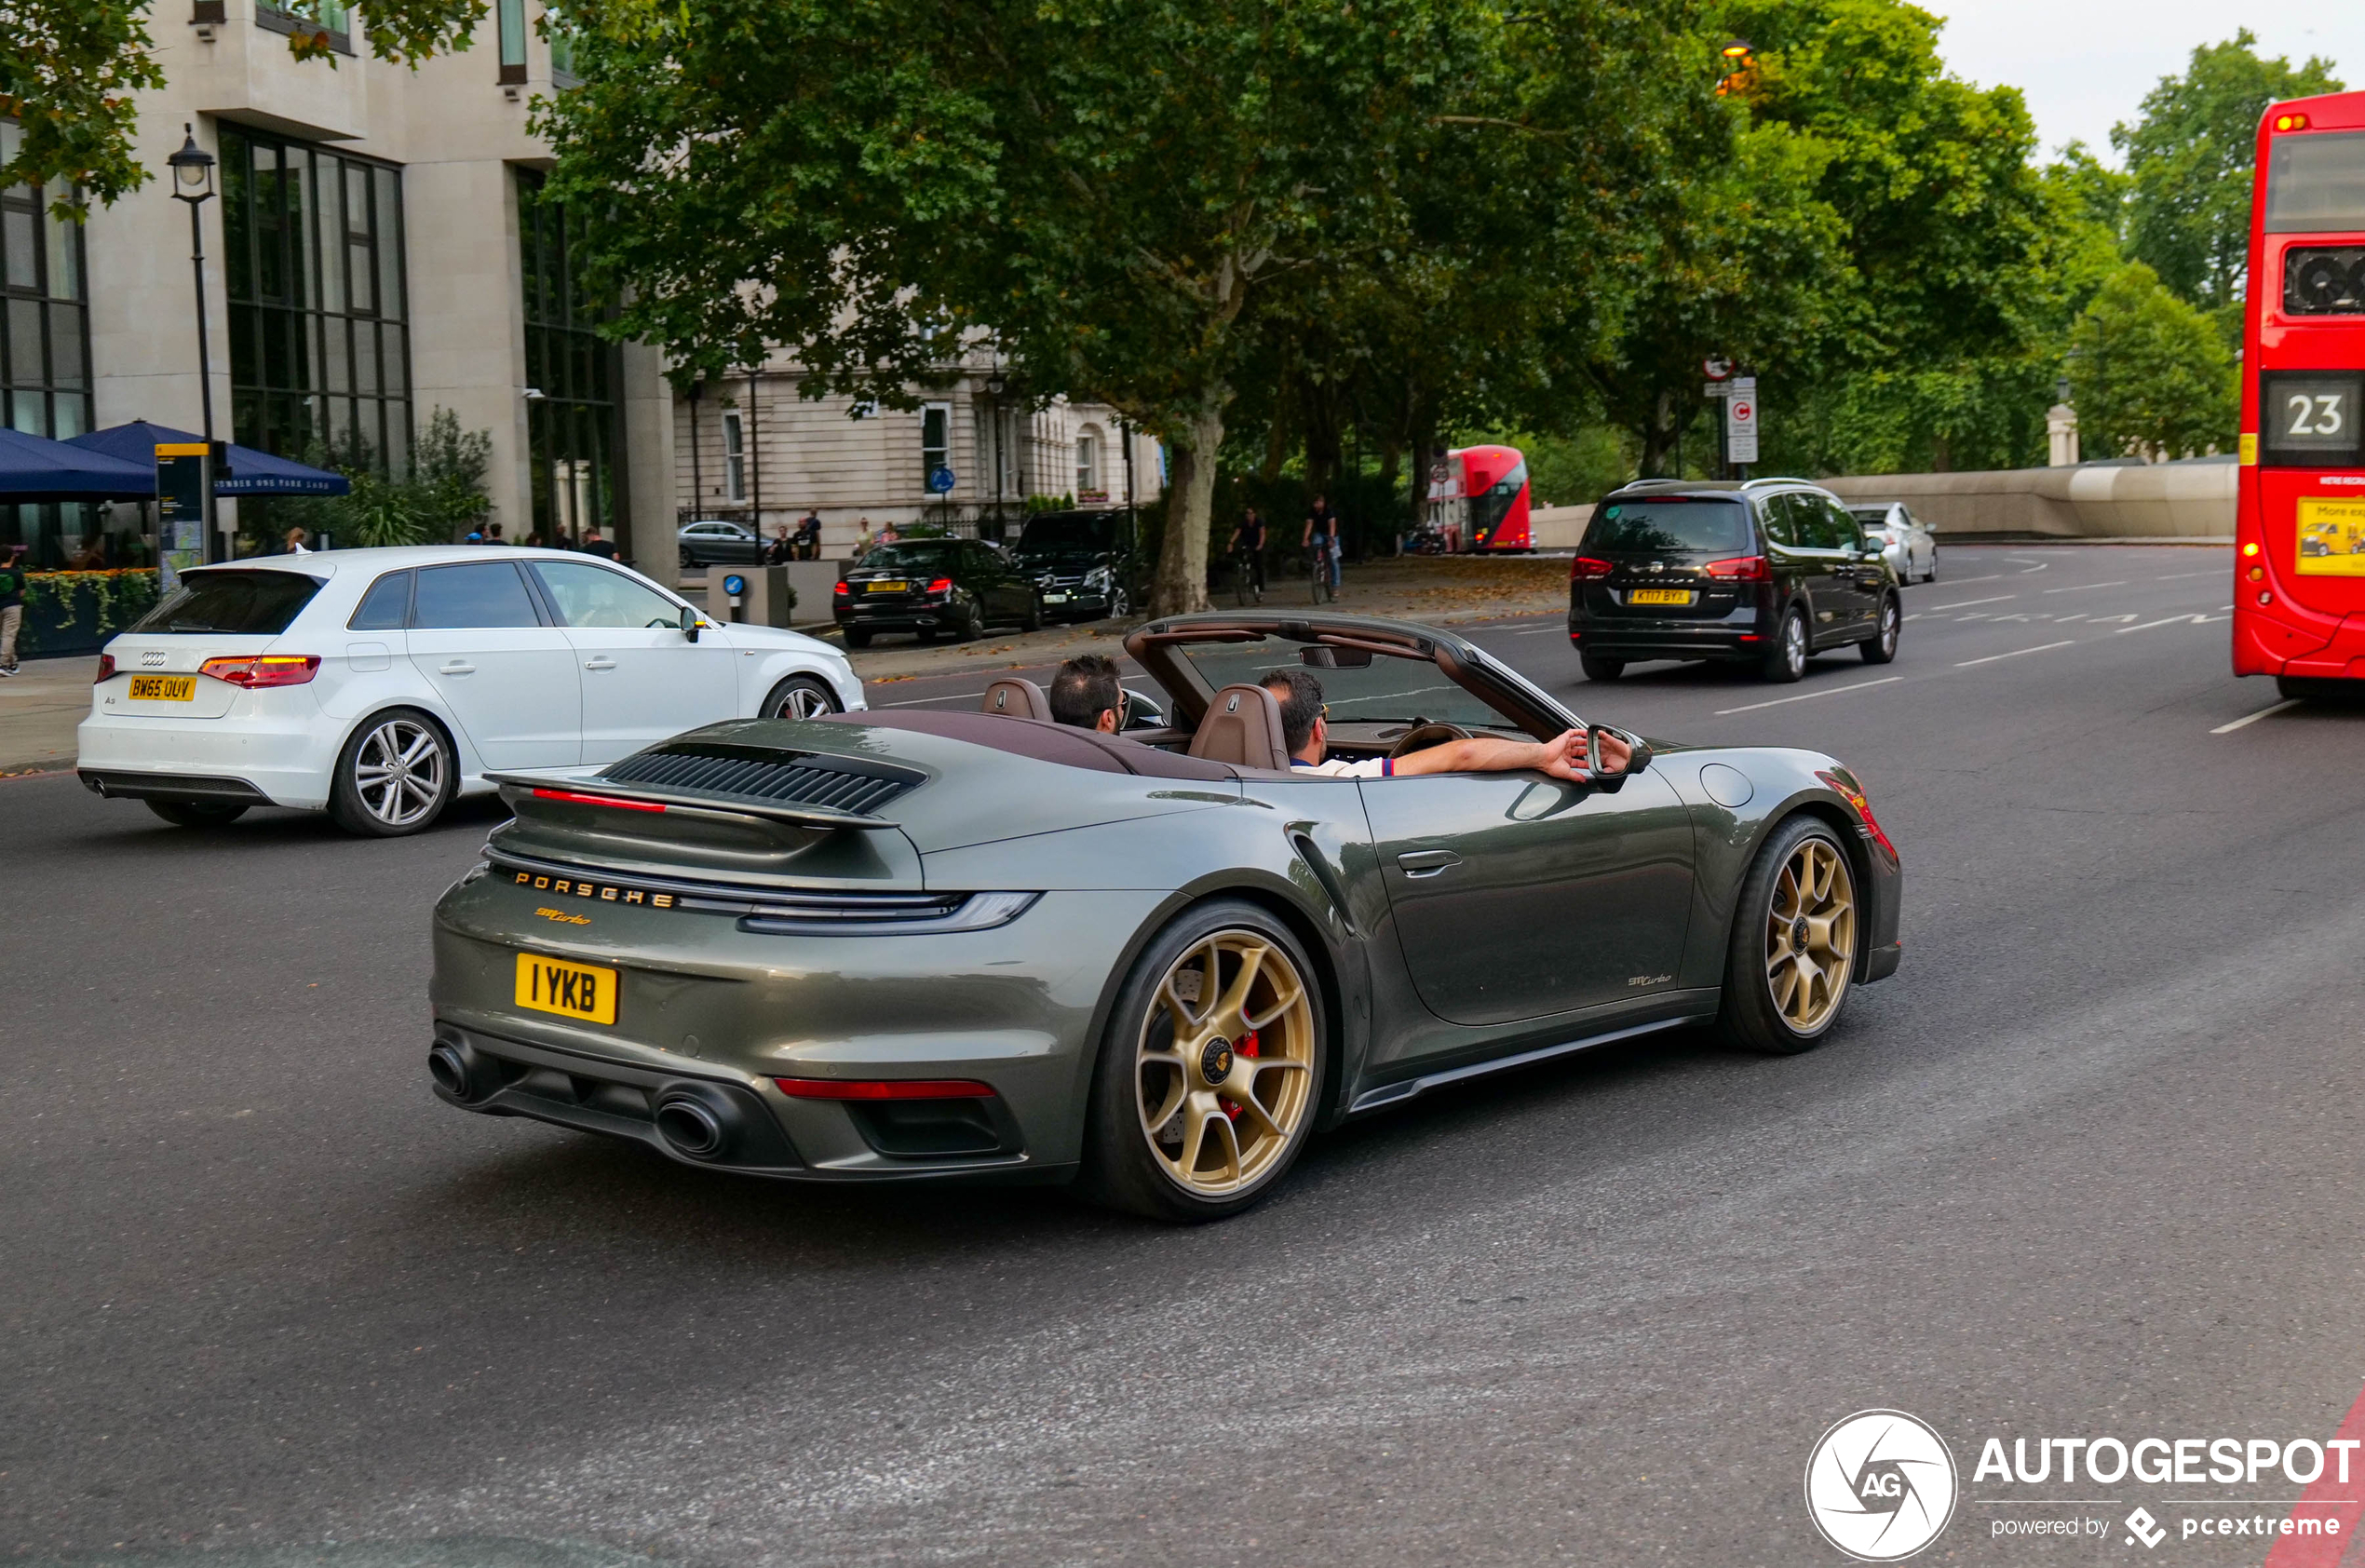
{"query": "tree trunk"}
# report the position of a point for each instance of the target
(1181, 584)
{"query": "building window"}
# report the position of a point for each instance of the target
(734, 456)
(45, 359)
(510, 18)
(331, 17)
(936, 440)
(319, 352)
(561, 35)
(571, 428)
(1087, 464)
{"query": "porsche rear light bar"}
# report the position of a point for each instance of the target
(576, 797)
(885, 1089)
(263, 669)
(1741, 569)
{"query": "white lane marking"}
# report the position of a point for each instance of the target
(2081, 588)
(2179, 577)
(1828, 691)
(1999, 620)
(1964, 582)
(2079, 616)
(1914, 617)
(1539, 630)
(2254, 718)
(2025, 565)
(2105, 620)
(1966, 603)
(2016, 653)
(2148, 625)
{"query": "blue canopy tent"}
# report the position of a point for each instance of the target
(251, 472)
(34, 469)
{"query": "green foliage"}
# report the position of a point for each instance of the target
(2190, 156)
(448, 466)
(2153, 377)
(69, 70)
(439, 501)
(117, 597)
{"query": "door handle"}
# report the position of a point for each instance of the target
(1428, 863)
(457, 667)
(603, 662)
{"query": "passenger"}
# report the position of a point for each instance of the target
(1306, 730)
(1086, 694)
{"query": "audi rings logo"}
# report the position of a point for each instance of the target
(1880, 1485)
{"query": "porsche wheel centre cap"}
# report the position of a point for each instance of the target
(1798, 933)
(1215, 1061)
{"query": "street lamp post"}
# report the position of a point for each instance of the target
(192, 182)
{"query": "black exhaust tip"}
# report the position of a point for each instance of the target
(696, 1124)
(460, 1072)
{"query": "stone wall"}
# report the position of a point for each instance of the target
(2153, 501)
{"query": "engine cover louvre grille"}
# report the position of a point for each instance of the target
(797, 778)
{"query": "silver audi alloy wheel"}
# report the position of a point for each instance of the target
(395, 776)
(800, 697)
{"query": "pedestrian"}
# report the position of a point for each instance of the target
(493, 534)
(296, 540)
(534, 540)
(888, 536)
(474, 537)
(862, 540)
(808, 535)
(594, 545)
(11, 605)
(780, 549)
(1322, 535)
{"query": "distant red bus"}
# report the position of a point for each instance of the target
(1479, 500)
(2299, 573)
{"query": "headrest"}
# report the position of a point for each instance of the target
(1014, 698)
(1243, 728)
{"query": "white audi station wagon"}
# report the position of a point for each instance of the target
(379, 684)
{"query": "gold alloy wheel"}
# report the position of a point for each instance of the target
(1810, 935)
(1223, 1072)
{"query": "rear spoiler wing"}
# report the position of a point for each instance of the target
(644, 797)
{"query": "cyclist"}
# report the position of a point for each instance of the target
(1247, 547)
(1322, 535)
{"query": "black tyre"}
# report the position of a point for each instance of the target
(800, 697)
(1882, 646)
(1034, 620)
(1212, 1071)
(857, 637)
(688, 559)
(1785, 658)
(1120, 604)
(971, 625)
(199, 814)
(394, 776)
(1794, 934)
(1599, 666)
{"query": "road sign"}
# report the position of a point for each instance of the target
(1718, 370)
(1741, 421)
(940, 480)
(1715, 389)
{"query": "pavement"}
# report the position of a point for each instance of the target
(2085, 1166)
(39, 708)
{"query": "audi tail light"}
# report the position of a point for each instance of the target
(263, 669)
(106, 670)
(1589, 569)
(1741, 569)
(1850, 792)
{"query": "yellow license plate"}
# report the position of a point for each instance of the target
(1660, 596)
(164, 688)
(884, 588)
(553, 985)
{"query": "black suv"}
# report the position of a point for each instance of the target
(1769, 572)
(953, 586)
(1081, 560)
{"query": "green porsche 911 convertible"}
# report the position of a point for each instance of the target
(913, 945)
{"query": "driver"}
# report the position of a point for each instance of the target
(1305, 731)
(1086, 694)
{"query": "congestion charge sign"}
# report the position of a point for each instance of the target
(1740, 420)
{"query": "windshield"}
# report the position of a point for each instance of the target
(1386, 691)
(2316, 184)
(260, 603)
(929, 555)
(1871, 517)
(1065, 535)
(1674, 526)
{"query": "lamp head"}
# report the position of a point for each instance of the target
(1739, 51)
(192, 169)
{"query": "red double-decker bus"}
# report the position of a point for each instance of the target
(1479, 499)
(2299, 574)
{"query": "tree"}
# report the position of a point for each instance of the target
(1132, 197)
(69, 70)
(439, 501)
(2153, 377)
(2190, 154)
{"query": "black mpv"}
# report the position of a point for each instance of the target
(1767, 571)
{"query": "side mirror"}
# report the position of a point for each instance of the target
(1142, 713)
(1608, 777)
(689, 623)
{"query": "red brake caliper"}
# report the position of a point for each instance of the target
(1246, 1047)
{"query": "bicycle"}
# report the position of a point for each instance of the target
(1248, 585)
(1322, 570)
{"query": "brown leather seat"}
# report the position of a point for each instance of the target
(1015, 698)
(1243, 728)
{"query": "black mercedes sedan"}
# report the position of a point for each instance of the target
(1767, 573)
(935, 587)
(1081, 560)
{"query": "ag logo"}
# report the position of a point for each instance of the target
(1880, 1485)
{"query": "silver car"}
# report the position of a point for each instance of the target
(1911, 547)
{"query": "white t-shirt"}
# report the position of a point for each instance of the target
(1339, 767)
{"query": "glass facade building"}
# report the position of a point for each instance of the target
(45, 367)
(572, 426)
